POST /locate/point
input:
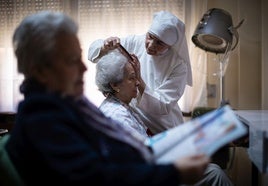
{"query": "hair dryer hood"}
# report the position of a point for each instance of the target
(215, 31)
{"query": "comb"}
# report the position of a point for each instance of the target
(125, 52)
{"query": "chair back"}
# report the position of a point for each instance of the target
(8, 173)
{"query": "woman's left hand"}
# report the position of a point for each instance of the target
(136, 65)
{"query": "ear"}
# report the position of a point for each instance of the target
(40, 74)
(114, 86)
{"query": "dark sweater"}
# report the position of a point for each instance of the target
(52, 144)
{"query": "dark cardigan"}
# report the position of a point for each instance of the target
(52, 144)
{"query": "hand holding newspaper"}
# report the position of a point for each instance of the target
(205, 134)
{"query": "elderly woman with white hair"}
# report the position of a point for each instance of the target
(117, 80)
(164, 67)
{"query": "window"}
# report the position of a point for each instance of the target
(96, 19)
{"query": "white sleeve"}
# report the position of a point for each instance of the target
(94, 50)
(165, 97)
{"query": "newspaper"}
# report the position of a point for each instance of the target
(205, 134)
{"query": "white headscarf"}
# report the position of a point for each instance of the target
(169, 29)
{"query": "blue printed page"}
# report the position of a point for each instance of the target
(205, 134)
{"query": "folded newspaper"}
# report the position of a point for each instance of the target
(205, 134)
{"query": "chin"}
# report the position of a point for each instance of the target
(79, 92)
(150, 53)
(135, 95)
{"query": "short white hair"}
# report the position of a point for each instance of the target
(110, 69)
(34, 39)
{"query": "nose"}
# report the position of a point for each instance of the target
(137, 82)
(150, 43)
(83, 67)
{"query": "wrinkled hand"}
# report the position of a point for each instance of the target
(110, 43)
(136, 65)
(192, 168)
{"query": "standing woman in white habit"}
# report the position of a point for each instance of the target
(164, 69)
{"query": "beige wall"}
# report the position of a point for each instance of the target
(243, 78)
(264, 55)
(246, 78)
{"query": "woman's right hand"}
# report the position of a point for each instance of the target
(110, 43)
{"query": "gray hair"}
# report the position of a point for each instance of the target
(110, 69)
(34, 39)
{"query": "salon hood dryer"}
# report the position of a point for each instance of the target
(215, 32)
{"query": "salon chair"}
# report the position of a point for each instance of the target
(9, 175)
(7, 120)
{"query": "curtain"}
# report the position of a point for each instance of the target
(99, 19)
(197, 94)
(11, 13)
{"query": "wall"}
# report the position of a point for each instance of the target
(246, 77)
(242, 81)
(264, 55)
(250, 56)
